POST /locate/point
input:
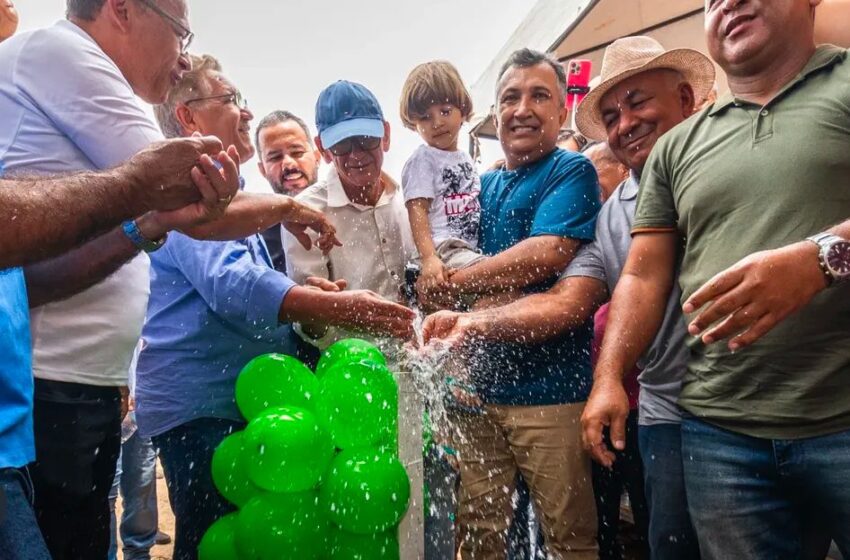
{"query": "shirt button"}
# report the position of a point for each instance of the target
(384, 240)
(765, 112)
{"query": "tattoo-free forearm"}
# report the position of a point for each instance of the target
(248, 213)
(79, 269)
(638, 303)
(527, 263)
(417, 211)
(42, 217)
(541, 317)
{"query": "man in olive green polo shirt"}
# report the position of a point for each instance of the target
(734, 192)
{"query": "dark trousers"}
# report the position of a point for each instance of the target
(77, 440)
(608, 486)
(671, 533)
(186, 455)
(20, 538)
(761, 499)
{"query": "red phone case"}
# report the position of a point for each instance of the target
(578, 81)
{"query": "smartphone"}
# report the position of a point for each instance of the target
(578, 82)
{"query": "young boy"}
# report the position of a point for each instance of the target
(439, 181)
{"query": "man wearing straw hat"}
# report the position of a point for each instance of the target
(750, 214)
(644, 92)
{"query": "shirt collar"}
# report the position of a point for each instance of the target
(338, 199)
(824, 57)
(629, 187)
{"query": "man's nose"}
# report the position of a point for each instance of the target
(729, 5)
(523, 108)
(627, 123)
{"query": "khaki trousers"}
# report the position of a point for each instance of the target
(544, 443)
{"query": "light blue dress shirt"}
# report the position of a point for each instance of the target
(214, 306)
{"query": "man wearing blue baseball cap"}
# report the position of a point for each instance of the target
(362, 202)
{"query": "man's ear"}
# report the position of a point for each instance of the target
(563, 114)
(186, 119)
(326, 155)
(261, 167)
(688, 99)
(386, 141)
(118, 13)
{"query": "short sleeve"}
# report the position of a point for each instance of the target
(85, 95)
(587, 262)
(418, 178)
(570, 201)
(656, 209)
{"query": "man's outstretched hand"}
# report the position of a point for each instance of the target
(449, 328)
(747, 300)
(300, 218)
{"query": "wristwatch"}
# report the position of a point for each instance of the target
(131, 230)
(834, 257)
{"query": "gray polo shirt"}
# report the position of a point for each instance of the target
(665, 362)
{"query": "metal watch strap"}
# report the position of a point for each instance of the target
(131, 230)
(823, 241)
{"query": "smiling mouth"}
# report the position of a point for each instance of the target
(292, 176)
(634, 143)
(737, 22)
(524, 129)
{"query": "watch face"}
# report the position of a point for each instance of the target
(838, 259)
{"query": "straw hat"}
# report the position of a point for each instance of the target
(632, 55)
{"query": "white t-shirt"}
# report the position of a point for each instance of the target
(450, 181)
(377, 244)
(65, 107)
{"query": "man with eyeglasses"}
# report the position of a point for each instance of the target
(68, 103)
(364, 204)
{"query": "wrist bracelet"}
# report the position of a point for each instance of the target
(131, 230)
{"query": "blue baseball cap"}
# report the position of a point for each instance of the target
(347, 109)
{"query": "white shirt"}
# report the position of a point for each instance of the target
(65, 107)
(377, 244)
(450, 182)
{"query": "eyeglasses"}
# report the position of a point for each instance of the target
(234, 97)
(184, 34)
(360, 143)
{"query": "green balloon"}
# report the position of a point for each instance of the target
(365, 491)
(358, 402)
(287, 450)
(276, 526)
(376, 546)
(273, 380)
(230, 470)
(219, 542)
(348, 351)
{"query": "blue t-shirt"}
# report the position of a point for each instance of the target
(558, 195)
(17, 446)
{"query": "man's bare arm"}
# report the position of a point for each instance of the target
(529, 262)
(43, 217)
(531, 320)
(637, 311)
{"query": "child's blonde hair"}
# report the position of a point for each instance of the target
(429, 84)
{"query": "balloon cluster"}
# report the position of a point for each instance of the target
(315, 474)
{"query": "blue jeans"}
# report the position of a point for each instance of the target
(20, 538)
(186, 454)
(757, 498)
(671, 533)
(136, 477)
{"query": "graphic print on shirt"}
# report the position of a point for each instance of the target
(461, 188)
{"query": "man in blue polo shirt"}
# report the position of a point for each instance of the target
(536, 212)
